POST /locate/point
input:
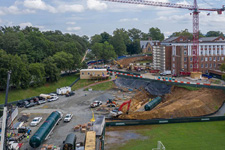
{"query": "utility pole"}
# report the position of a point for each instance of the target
(5, 116)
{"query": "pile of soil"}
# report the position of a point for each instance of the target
(183, 103)
(140, 98)
(126, 61)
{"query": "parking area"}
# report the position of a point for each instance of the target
(77, 104)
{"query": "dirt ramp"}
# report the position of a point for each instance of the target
(183, 103)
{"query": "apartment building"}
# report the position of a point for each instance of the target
(178, 54)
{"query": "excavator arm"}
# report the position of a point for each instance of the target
(124, 103)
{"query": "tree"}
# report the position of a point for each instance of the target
(96, 39)
(135, 34)
(156, 34)
(63, 60)
(103, 51)
(134, 47)
(37, 72)
(105, 37)
(51, 70)
(214, 34)
(119, 44)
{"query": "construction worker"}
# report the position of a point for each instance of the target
(28, 138)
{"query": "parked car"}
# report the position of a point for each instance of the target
(70, 94)
(96, 104)
(68, 117)
(24, 130)
(41, 102)
(29, 104)
(35, 121)
(20, 104)
(54, 98)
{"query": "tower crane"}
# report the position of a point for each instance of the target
(196, 10)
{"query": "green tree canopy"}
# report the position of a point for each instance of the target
(156, 34)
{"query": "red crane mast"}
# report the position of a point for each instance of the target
(196, 10)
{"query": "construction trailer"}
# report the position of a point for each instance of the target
(93, 74)
(63, 90)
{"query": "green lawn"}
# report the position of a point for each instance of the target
(102, 86)
(190, 88)
(47, 88)
(180, 136)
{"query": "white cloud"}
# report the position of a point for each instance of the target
(23, 25)
(96, 5)
(71, 23)
(70, 8)
(128, 19)
(39, 4)
(73, 28)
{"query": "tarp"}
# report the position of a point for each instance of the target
(154, 88)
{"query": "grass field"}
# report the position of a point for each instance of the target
(180, 136)
(190, 88)
(47, 88)
(102, 86)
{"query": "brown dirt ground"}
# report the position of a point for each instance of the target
(126, 61)
(181, 103)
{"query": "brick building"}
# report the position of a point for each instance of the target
(178, 54)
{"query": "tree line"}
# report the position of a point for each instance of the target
(36, 57)
(105, 46)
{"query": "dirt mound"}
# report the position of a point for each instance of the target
(126, 61)
(183, 103)
(140, 98)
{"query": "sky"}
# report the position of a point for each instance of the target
(90, 17)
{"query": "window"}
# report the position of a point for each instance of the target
(201, 52)
(214, 65)
(209, 46)
(206, 59)
(88, 73)
(218, 58)
(181, 39)
(217, 46)
(185, 52)
(222, 58)
(206, 65)
(185, 59)
(190, 58)
(82, 73)
(214, 58)
(173, 65)
(210, 65)
(185, 46)
(201, 65)
(214, 52)
(191, 65)
(201, 46)
(185, 65)
(209, 52)
(205, 46)
(173, 58)
(202, 58)
(210, 58)
(221, 46)
(214, 46)
(217, 52)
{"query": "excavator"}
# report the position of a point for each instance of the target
(118, 64)
(116, 112)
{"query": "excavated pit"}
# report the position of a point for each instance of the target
(177, 101)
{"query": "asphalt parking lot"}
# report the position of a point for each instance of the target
(77, 104)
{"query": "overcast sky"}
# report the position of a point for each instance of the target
(89, 17)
